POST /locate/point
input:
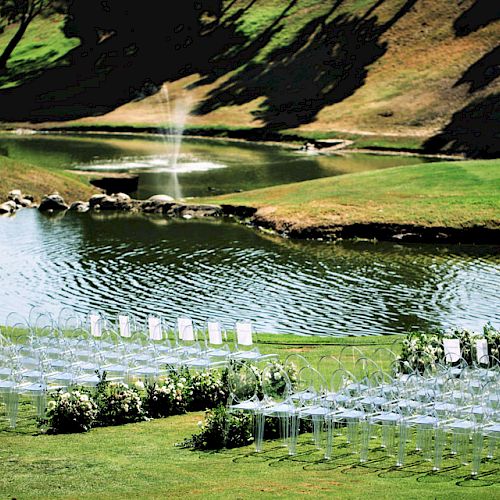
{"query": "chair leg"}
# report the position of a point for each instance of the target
(294, 434)
(403, 435)
(329, 438)
(365, 428)
(439, 443)
(259, 421)
(477, 448)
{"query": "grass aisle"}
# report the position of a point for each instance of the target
(142, 461)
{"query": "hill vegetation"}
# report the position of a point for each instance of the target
(398, 69)
(39, 181)
(447, 194)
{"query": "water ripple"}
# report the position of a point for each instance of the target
(229, 272)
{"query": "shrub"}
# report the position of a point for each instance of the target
(221, 429)
(72, 411)
(117, 403)
(169, 397)
(208, 389)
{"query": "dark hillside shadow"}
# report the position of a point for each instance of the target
(326, 63)
(230, 48)
(473, 131)
(128, 58)
(482, 72)
(482, 13)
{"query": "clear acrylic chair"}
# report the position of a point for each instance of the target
(245, 349)
(244, 387)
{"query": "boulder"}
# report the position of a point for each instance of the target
(79, 206)
(191, 211)
(9, 207)
(15, 195)
(119, 201)
(96, 199)
(19, 198)
(156, 203)
(160, 198)
(53, 202)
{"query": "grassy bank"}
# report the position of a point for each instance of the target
(142, 460)
(450, 194)
(39, 181)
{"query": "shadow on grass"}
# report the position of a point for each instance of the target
(326, 62)
(479, 15)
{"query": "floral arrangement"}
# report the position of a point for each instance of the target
(167, 397)
(72, 411)
(208, 389)
(221, 429)
(421, 351)
(117, 403)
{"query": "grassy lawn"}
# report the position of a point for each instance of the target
(142, 460)
(39, 181)
(453, 194)
(41, 47)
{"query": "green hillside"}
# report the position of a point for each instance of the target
(395, 71)
(452, 194)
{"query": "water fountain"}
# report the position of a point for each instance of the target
(175, 118)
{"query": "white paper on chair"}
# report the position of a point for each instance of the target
(244, 333)
(451, 350)
(154, 327)
(214, 332)
(95, 325)
(186, 330)
(124, 326)
(482, 350)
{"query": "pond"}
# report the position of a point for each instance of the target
(202, 167)
(148, 264)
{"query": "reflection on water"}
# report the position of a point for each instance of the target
(117, 262)
(200, 167)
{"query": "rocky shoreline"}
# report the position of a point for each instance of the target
(170, 208)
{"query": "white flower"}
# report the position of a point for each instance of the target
(139, 384)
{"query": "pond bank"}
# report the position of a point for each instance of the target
(335, 142)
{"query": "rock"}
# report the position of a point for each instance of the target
(407, 236)
(191, 211)
(96, 199)
(160, 198)
(9, 207)
(79, 206)
(15, 195)
(19, 198)
(119, 201)
(53, 202)
(156, 203)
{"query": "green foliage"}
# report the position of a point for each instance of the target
(423, 351)
(221, 429)
(70, 411)
(167, 397)
(117, 403)
(208, 389)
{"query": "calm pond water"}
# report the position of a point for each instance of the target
(142, 264)
(203, 167)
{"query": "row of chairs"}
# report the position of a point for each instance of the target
(365, 400)
(38, 358)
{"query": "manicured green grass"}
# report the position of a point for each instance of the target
(452, 194)
(142, 460)
(41, 47)
(39, 181)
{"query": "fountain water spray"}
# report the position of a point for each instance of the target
(176, 116)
